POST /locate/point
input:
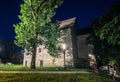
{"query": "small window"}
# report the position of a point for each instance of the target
(27, 53)
(25, 63)
(41, 63)
(39, 50)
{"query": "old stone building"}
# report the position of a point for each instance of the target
(76, 49)
(85, 51)
(68, 37)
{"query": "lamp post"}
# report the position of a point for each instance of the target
(64, 48)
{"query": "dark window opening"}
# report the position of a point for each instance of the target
(41, 63)
(25, 63)
(27, 53)
(39, 50)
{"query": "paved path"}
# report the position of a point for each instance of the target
(49, 72)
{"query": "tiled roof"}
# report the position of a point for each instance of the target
(67, 22)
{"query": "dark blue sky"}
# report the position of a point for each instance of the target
(85, 11)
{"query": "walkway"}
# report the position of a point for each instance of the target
(49, 72)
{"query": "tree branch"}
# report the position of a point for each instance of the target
(33, 14)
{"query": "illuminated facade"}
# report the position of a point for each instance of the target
(67, 36)
(76, 49)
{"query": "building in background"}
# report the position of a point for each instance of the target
(68, 37)
(76, 49)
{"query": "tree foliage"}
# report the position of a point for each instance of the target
(36, 27)
(105, 36)
(111, 31)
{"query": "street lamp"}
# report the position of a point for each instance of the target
(64, 48)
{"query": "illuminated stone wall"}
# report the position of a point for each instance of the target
(76, 54)
(67, 36)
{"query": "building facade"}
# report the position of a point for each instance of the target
(67, 36)
(85, 51)
(77, 52)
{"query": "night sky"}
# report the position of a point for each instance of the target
(85, 10)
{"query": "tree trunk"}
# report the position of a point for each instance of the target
(33, 59)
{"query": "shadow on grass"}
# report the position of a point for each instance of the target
(54, 78)
(114, 79)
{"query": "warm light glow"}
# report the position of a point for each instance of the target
(91, 56)
(64, 46)
(92, 59)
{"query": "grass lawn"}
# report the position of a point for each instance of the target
(13, 68)
(35, 77)
(23, 68)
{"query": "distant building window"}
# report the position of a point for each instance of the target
(39, 50)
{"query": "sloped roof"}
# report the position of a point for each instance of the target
(68, 22)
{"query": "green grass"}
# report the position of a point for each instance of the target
(54, 78)
(23, 68)
(36, 77)
(13, 68)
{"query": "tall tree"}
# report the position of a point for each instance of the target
(36, 27)
(111, 31)
(106, 36)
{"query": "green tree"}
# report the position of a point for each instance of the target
(111, 31)
(105, 36)
(108, 26)
(36, 27)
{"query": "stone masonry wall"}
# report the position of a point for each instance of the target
(43, 58)
(84, 51)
